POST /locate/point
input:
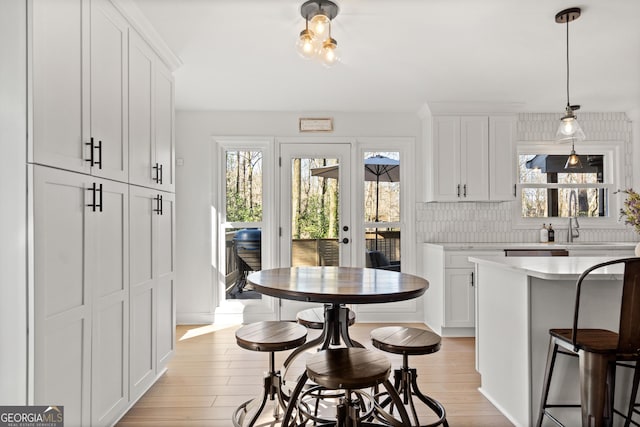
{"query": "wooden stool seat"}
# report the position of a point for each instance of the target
(403, 340)
(409, 341)
(313, 318)
(270, 336)
(348, 368)
(591, 340)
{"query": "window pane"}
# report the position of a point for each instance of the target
(244, 186)
(590, 202)
(385, 241)
(382, 186)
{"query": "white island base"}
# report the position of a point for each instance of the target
(517, 301)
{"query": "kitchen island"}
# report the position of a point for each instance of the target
(517, 301)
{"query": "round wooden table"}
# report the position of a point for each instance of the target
(335, 286)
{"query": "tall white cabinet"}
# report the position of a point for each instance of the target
(103, 239)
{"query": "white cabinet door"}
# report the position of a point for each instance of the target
(109, 91)
(446, 158)
(165, 280)
(164, 127)
(502, 159)
(61, 292)
(142, 324)
(474, 158)
(59, 73)
(141, 138)
(459, 307)
(108, 267)
(152, 331)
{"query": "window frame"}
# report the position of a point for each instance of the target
(613, 179)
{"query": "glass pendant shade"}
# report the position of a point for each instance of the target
(305, 44)
(569, 129)
(573, 161)
(329, 54)
(319, 24)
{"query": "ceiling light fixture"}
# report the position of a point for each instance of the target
(569, 129)
(312, 41)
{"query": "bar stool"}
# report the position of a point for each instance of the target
(410, 341)
(269, 336)
(598, 350)
(350, 370)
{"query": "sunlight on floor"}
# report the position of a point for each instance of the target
(207, 329)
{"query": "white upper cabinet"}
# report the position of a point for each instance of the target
(78, 98)
(468, 159)
(460, 158)
(151, 120)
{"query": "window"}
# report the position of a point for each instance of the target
(243, 220)
(545, 186)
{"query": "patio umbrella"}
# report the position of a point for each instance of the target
(377, 168)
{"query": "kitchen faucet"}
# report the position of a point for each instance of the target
(573, 231)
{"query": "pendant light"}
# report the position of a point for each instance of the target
(305, 45)
(573, 161)
(569, 129)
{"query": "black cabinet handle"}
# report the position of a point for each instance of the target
(458, 190)
(94, 190)
(92, 205)
(160, 180)
(465, 190)
(158, 209)
(156, 168)
(99, 190)
(472, 281)
(99, 162)
(515, 194)
(91, 158)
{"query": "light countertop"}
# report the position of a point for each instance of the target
(555, 268)
(555, 245)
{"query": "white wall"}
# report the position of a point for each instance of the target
(13, 219)
(194, 180)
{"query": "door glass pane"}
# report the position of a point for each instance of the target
(243, 236)
(382, 209)
(314, 212)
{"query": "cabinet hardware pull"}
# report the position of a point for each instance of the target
(158, 209)
(515, 192)
(99, 190)
(458, 190)
(91, 158)
(156, 168)
(160, 182)
(99, 162)
(93, 197)
(465, 190)
(472, 279)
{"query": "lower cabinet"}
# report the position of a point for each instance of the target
(103, 292)
(449, 303)
(152, 306)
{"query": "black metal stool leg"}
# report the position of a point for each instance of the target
(634, 393)
(548, 372)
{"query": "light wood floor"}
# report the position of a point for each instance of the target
(210, 376)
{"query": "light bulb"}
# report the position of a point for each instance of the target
(319, 24)
(305, 44)
(328, 54)
(569, 129)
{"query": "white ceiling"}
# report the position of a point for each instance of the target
(397, 55)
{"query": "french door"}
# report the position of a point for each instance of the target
(315, 208)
